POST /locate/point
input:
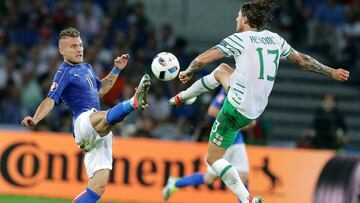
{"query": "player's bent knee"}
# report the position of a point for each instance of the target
(219, 70)
(222, 74)
(224, 68)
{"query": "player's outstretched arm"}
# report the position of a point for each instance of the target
(199, 62)
(310, 64)
(108, 82)
(43, 110)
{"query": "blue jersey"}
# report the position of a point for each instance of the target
(218, 101)
(77, 86)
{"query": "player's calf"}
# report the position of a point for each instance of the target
(118, 112)
(201, 86)
(138, 101)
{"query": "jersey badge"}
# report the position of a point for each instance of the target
(53, 86)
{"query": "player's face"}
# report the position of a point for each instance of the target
(240, 22)
(72, 49)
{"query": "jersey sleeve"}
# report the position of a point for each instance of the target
(285, 48)
(97, 79)
(60, 81)
(232, 45)
(98, 83)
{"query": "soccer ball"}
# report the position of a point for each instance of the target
(165, 66)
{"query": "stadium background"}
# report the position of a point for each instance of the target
(29, 58)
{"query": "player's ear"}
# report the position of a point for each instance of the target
(245, 20)
(61, 46)
(61, 50)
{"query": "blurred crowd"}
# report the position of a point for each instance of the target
(29, 58)
(331, 27)
(29, 55)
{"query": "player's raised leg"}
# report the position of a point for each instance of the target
(98, 160)
(103, 121)
(220, 75)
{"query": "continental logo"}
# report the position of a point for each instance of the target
(13, 161)
(26, 164)
(49, 164)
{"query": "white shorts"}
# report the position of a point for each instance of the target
(98, 149)
(237, 156)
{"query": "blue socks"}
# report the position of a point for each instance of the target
(194, 179)
(87, 196)
(118, 112)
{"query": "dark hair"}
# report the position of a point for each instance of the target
(69, 32)
(259, 13)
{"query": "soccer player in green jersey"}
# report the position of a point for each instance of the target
(257, 53)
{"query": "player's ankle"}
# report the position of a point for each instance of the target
(132, 102)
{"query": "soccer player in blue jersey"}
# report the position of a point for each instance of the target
(235, 154)
(76, 84)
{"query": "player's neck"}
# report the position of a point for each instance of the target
(70, 63)
(248, 28)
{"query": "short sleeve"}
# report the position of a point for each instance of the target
(231, 45)
(60, 81)
(285, 48)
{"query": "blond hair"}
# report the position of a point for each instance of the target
(69, 32)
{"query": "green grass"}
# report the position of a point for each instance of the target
(18, 199)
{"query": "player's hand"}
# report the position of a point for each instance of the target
(185, 76)
(340, 74)
(28, 121)
(121, 61)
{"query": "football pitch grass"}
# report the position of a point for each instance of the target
(23, 199)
